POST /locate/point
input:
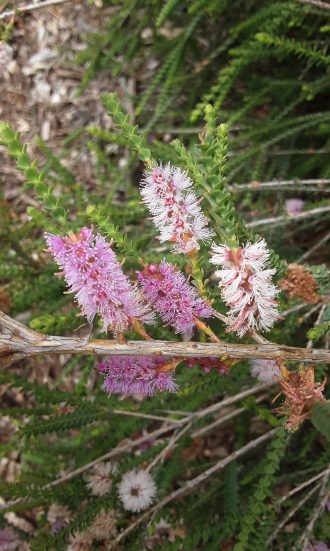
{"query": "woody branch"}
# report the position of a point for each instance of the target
(18, 342)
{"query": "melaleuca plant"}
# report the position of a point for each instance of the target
(175, 334)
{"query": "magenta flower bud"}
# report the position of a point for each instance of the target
(207, 364)
(246, 286)
(137, 375)
(152, 268)
(102, 367)
(172, 297)
(95, 276)
(167, 192)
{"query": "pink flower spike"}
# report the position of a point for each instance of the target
(136, 375)
(93, 273)
(246, 286)
(172, 297)
(168, 193)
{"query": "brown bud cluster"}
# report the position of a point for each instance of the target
(301, 394)
(299, 282)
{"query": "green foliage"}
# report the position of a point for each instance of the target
(321, 418)
(56, 323)
(112, 232)
(291, 46)
(130, 132)
(242, 72)
(166, 10)
(319, 331)
(34, 178)
(256, 505)
(321, 275)
(76, 419)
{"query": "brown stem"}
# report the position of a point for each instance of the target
(140, 329)
(194, 272)
(170, 366)
(207, 330)
(21, 342)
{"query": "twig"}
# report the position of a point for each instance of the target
(281, 184)
(218, 422)
(280, 152)
(192, 484)
(231, 400)
(312, 250)
(259, 338)
(134, 443)
(221, 317)
(176, 412)
(290, 152)
(174, 438)
(317, 3)
(295, 308)
(301, 487)
(255, 336)
(327, 341)
(222, 420)
(18, 329)
(24, 343)
(31, 7)
(292, 512)
(318, 321)
(277, 220)
(312, 311)
(144, 415)
(324, 495)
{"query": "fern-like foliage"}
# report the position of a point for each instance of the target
(253, 516)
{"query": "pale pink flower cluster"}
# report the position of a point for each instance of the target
(100, 480)
(80, 541)
(93, 273)
(294, 206)
(172, 297)
(6, 55)
(246, 286)
(104, 525)
(175, 209)
(102, 528)
(137, 490)
(266, 371)
(136, 375)
(58, 516)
